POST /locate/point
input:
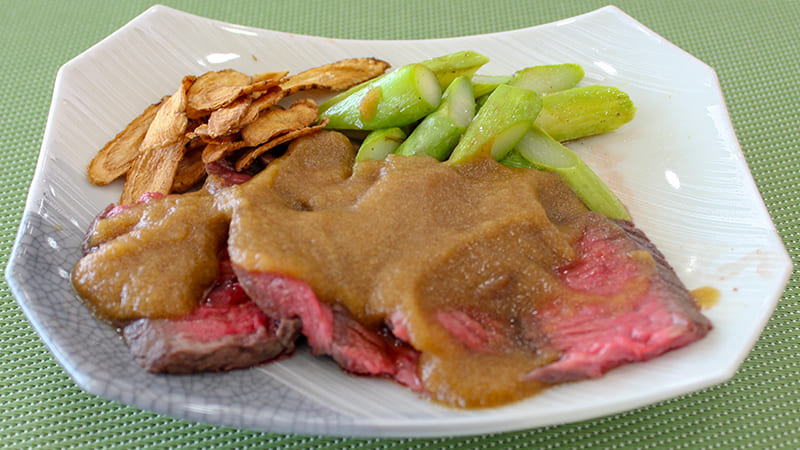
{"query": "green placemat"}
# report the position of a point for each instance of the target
(752, 45)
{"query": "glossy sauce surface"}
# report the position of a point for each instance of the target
(456, 260)
(706, 296)
(153, 259)
(460, 256)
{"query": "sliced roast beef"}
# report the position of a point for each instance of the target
(225, 171)
(476, 284)
(500, 279)
(331, 330)
(228, 331)
(212, 338)
(635, 308)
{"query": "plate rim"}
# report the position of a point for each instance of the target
(89, 384)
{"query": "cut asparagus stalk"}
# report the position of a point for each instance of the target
(500, 123)
(540, 79)
(548, 78)
(395, 99)
(449, 67)
(439, 131)
(516, 160)
(483, 85)
(584, 111)
(545, 153)
(380, 143)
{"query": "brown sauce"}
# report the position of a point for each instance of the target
(152, 260)
(418, 238)
(408, 237)
(705, 297)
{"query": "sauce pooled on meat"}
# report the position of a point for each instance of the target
(500, 278)
(424, 246)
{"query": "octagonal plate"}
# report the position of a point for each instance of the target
(677, 166)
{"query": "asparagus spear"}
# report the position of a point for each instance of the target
(380, 143)
(540, 79)
(500, 123)
(515, 159)
(548, 78)
(584, 111)
(439, 131)
(483, 85)
(394, 99)
(449, 67)
(543, 152)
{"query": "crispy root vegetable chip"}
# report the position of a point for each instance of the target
(226, 120)
(264, 81)
(153, 171)
(215, 151)
(245, 161)
(115, 159)
(214, 90)
(276, 121)
(270, 76)
(232, 118)
(337, 76)
(218, 117)
(170, 121)
(267, 99)
(191, 170)
(161, 150)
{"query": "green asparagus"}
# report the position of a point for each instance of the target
(543, 152)
(440, 131)
(500, 123)
(516, 160)
(483, 85)
(548, 78)
(380, 143)
(584, 111)
(449, 67)
(395, 99)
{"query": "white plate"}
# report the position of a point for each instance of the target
(677, 166)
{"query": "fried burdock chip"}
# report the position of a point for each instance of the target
(214, 90)
(276, 121)
(116, 157)
(238, 114)
(218, 117)
(161, 150)
(191, 170)
(248, 158)
(336, 76)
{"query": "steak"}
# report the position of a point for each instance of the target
(227, 331)
(491, 282)
(628, 324)
(331, 330)
(477, 285)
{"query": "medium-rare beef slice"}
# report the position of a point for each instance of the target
(633, 308)
(474, 266)
(331, 330)
(228, 331)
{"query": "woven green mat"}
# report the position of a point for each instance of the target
(753, 46)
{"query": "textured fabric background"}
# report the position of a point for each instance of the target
(754, 47)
